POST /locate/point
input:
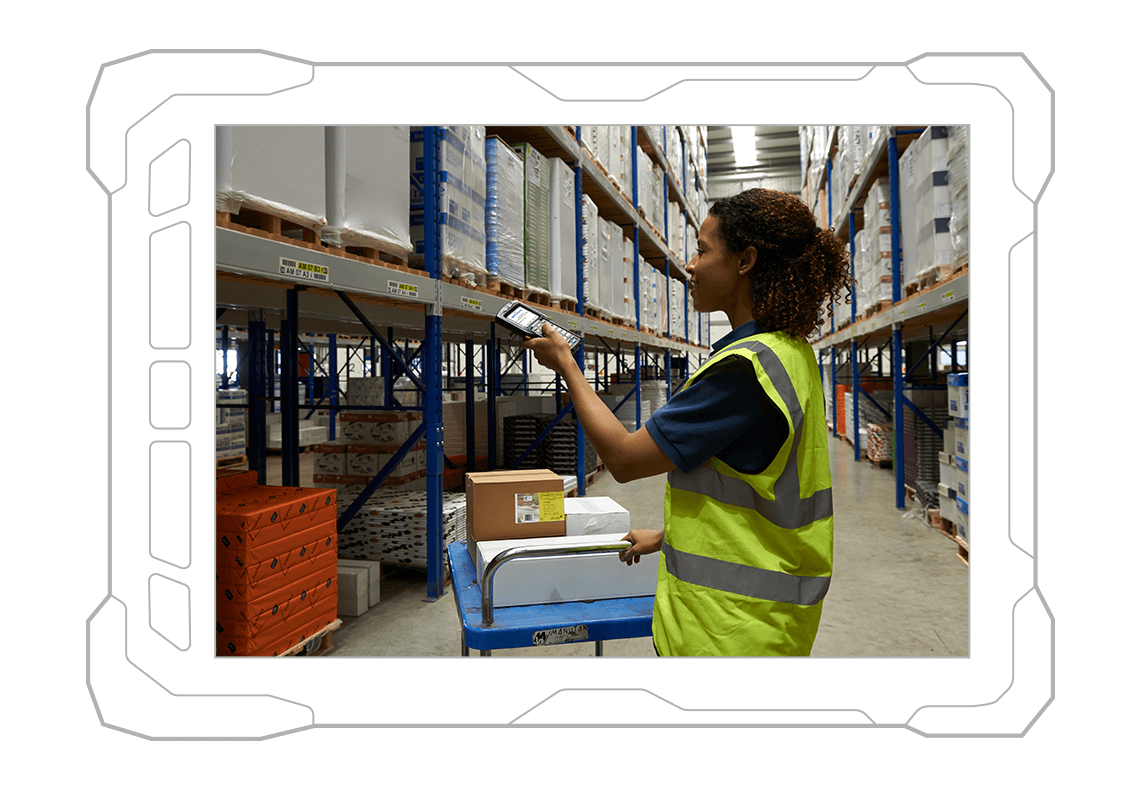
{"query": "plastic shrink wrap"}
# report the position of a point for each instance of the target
(563, 269)
(503, 217)
(536, 219)
(279, 170)
(366, 204)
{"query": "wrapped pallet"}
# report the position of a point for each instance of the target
(627, 274)
(504, 212)
(563, 269)
(933, 204)
(463, 190)
(536, 219)
(605, 285)
(366, 203)
(276, 170)
(590, 252)
(617, 256)
(958, 170)
(877, 223)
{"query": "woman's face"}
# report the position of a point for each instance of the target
(713, 271)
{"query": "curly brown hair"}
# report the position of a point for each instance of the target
(799, 265)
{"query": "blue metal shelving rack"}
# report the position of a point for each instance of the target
(240, 254)
(895, 320)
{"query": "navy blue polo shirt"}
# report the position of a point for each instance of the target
(726, 413)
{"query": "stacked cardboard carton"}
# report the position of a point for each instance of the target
(526, 508)
(958, 171)
(392, 527)
(925, 207)
(230, 425)
(368, 443)
(590, 252)
(276, 565)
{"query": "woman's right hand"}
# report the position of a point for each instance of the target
(644, 542)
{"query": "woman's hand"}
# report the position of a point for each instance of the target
(644, 542)
(552, 351)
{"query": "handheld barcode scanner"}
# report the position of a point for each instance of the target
(521, 318)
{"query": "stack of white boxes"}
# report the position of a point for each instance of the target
(503, 215)
(877, 240)
(563, 242)
(958, 405)
(590, 252)
(677, 308)
(536, 219)
(624, 282)
(603, 296)
(230, 424)
(463, 192)
(366, 204)
(925, 207)
(618, 246)
(578, 577)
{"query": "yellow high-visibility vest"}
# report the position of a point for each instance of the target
(746, 559)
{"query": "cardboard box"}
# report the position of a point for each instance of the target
(588, 516)
(513, 504)
(248, 584)
(273, 602)
(585, 577)
(293, 633)
(235, 571)
(258, 506)
(229, 482)
(244, 549)
(352, 590)
(373, 568)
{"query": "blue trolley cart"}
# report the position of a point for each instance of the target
(486, 628)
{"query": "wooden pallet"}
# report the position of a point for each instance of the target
(592, 313)
(232, 462)
(881, 464)
(503, 289)
(537, 297)
(317, 645)
(569, 305)
(277, 229)
(877, 308)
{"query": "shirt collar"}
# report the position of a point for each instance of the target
(744, 331)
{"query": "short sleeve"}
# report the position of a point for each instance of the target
(714, 415)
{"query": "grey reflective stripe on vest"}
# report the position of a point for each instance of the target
(788, 510)
(789, 513)
(744, 580)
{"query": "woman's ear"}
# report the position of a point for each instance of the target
(748, 260)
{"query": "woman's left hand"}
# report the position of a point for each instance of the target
(552, 351)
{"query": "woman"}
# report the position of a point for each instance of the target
(746, 553)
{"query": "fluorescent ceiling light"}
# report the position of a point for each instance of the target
(744, 144)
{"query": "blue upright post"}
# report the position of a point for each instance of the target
(225, 330)
(835, 423)
(389, 368)
(469, 392)
(637, 321)
(855, 367)
(309, 377)
(256, 397)
(271, 372)
(372, 357)
(491, 378)
(290, 413)
(333, 374)
(580, 437)
(430, 360)
(897, 329)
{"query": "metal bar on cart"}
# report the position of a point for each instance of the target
(488, 578)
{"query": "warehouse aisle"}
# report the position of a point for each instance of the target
(898, 589)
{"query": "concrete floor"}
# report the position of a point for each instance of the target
(898, 588)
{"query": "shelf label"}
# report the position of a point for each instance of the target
(303, 271)
(403, 289)
(564, 634)
(472, 304)
(922, 306)
(949, 295)
(572, 323)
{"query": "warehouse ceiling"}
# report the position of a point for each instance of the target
(777, 153)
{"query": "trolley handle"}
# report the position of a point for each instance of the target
(535, 552)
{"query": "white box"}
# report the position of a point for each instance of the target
(352, 590)
(373, 569)
(588, 516)
(583, 577)
(563, 244)
(963, 443)
(329, 462)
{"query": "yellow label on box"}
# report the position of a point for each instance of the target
(539, 507)
(551, 507)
